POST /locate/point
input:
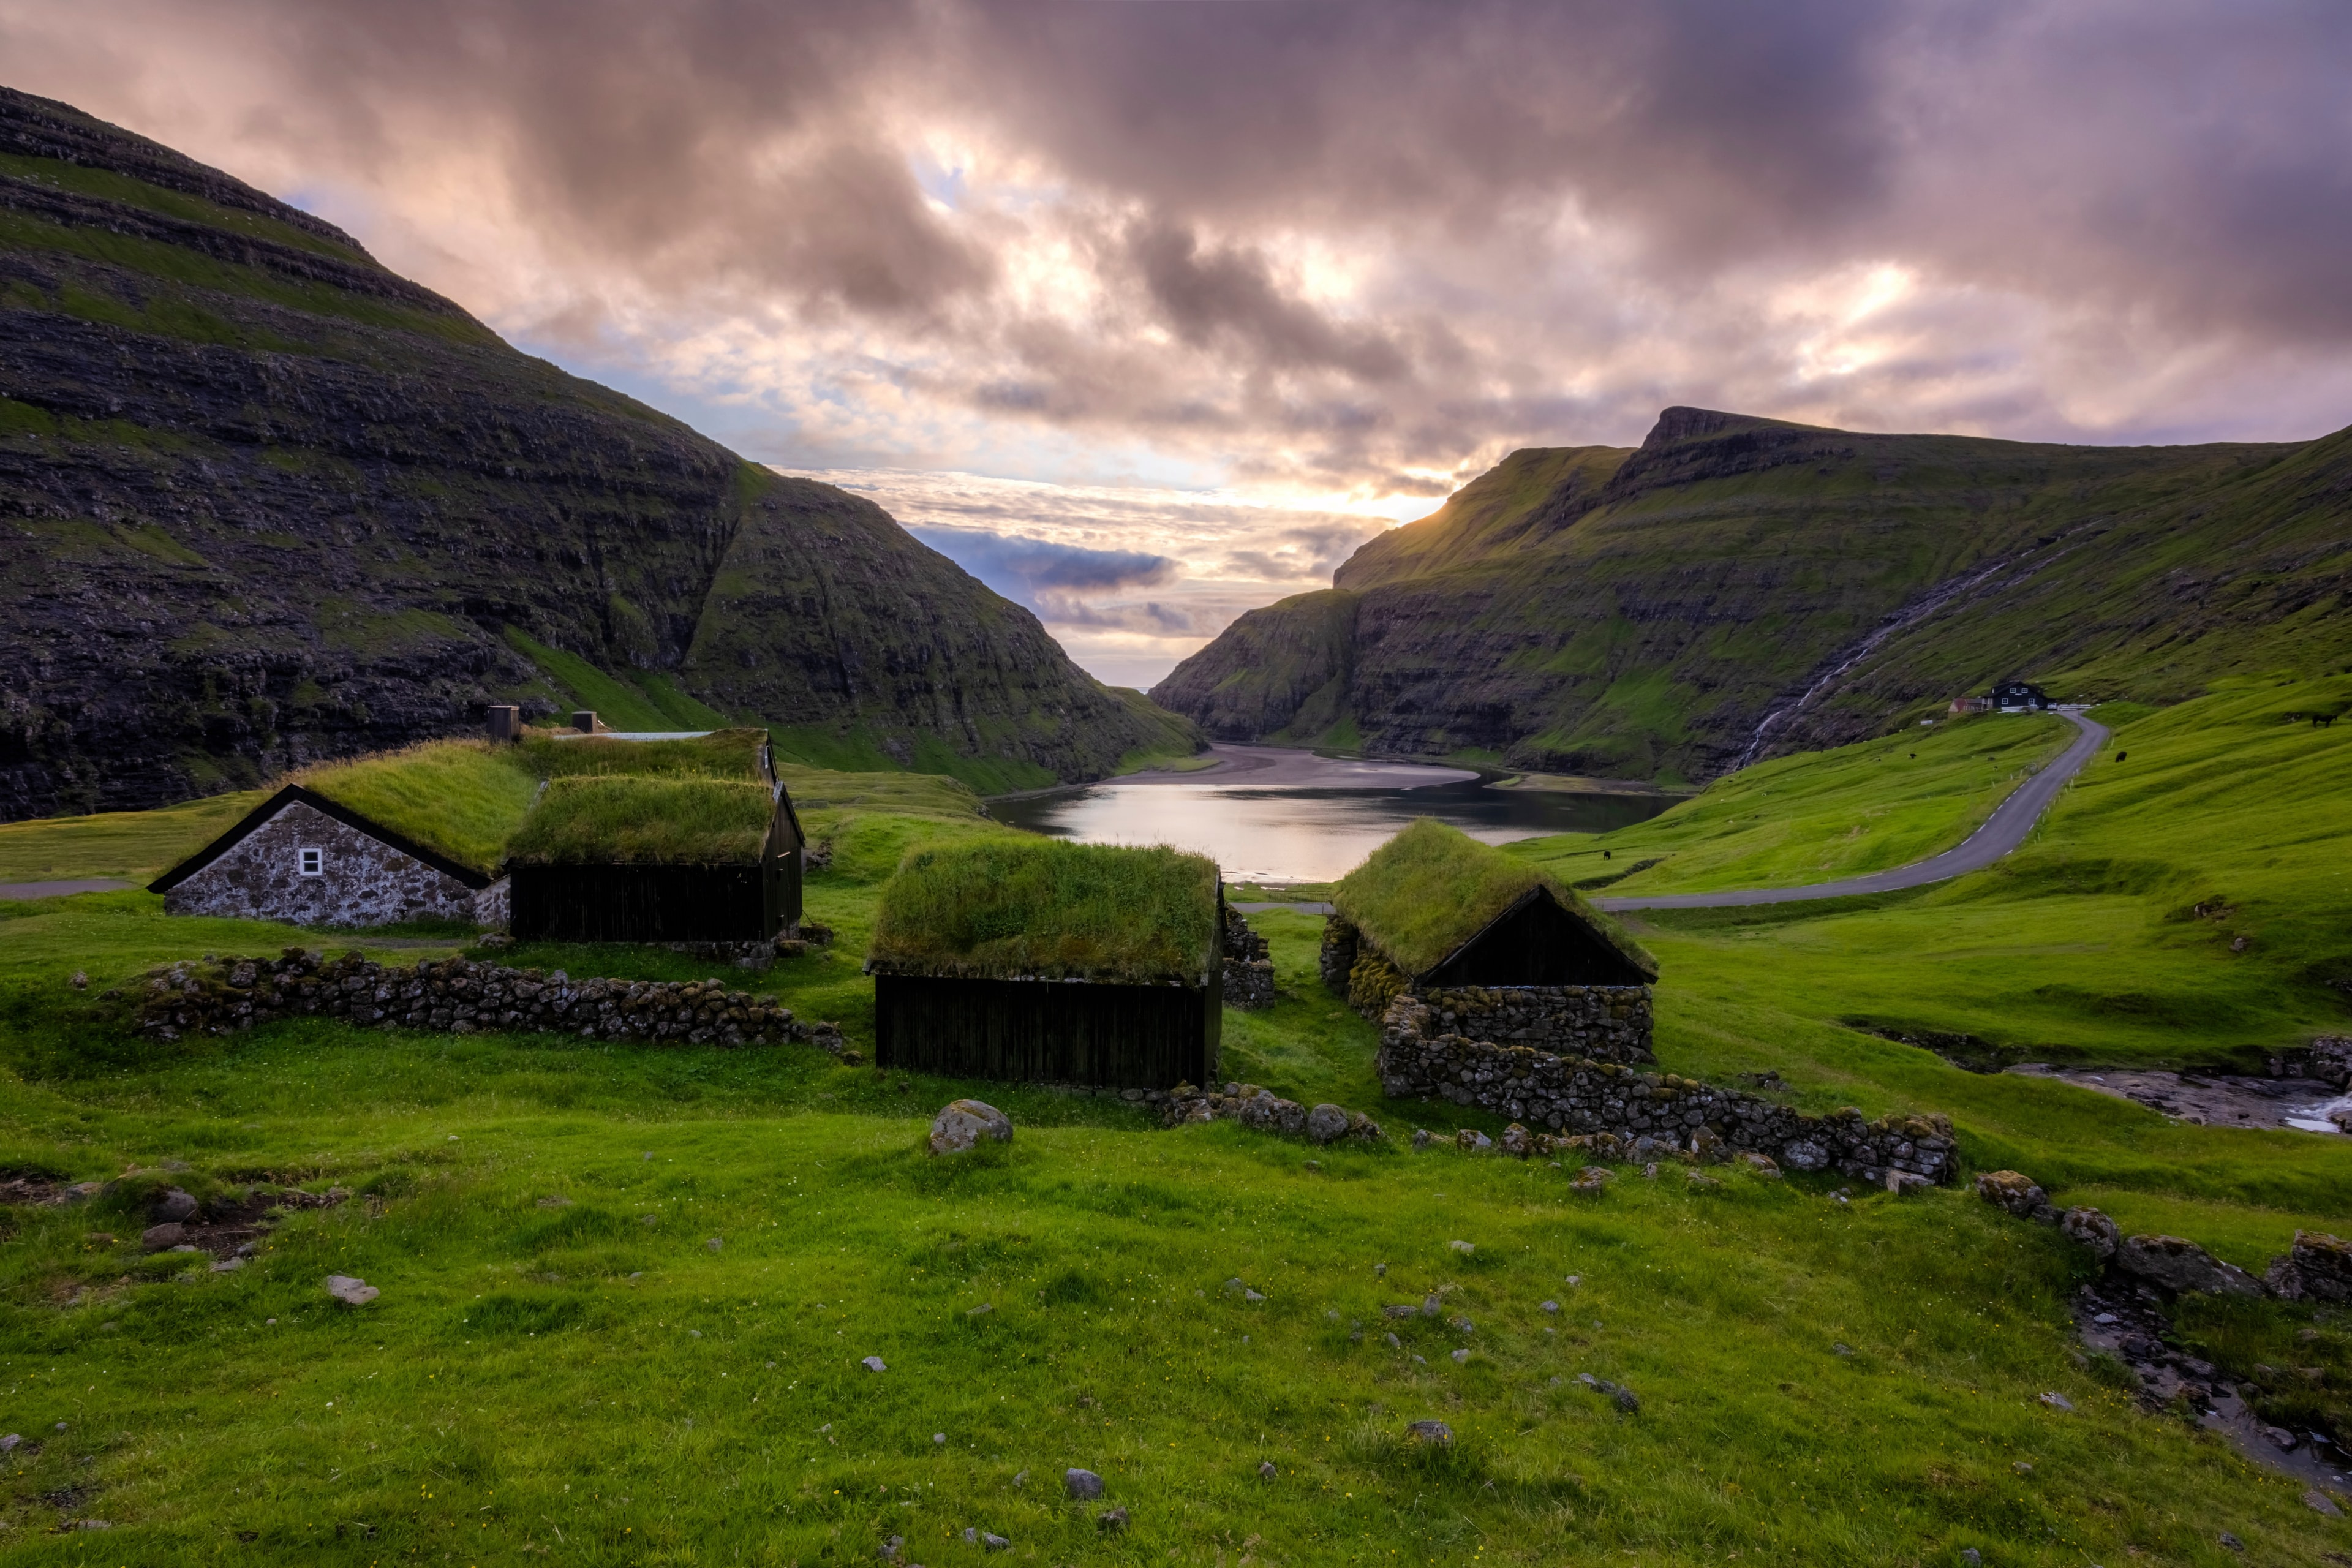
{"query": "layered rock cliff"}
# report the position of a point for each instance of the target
(263, 501)
(1735, 587)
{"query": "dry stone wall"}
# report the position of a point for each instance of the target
(460, 996)
(361, 881)
(1605, 1023)
(1249, 969)
(1617, 1108)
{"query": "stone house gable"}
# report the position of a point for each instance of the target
(302, 859)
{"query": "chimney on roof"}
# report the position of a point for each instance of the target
(506, 723)
(587, 724)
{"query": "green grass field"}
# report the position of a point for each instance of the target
(561, 1366)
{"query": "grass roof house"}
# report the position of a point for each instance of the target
(676, 855)
(415, 835)
(1498, 947)
(1048, 961)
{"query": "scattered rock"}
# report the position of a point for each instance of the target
(993, 1542)
(1591, 1179)
(1548, 1307)
(939, 1439)
(1266, 1467)
(892, 1548)
(1470, 1141)
(1085, 1485)
(1970, 1557)
(2023, 1467)
(2012, 1191)
(173, 1205)
(713, 1245)
(1327, 1124)
(1422, 1138)
(228, 1266)
(979, 1312)
(1840, 1348)
(2232, 1542)
(2058, 1401)
(2320, 1502)
(1463, 1246)
(80, 981)
(960, 1126)
(351, 1291)
(1902, 1182)
(1702, 1182)
(1251, 1296)
(1021, 1478)
(1436, 1433)
(1518, 1142)
(873, 1364)
(2280, 1438)
(2319, 1269)
(2183, 1265)
(2093, 1230)
(1460, 1357)
(162, 1238)
(1761, 1164)
(10, 1443)
(1112, 1521)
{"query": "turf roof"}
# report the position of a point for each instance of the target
(632, 821)
(721, 754)
(1005, 907)
(1432, 887)
(462, 798)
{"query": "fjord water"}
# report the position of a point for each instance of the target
(1271, 814)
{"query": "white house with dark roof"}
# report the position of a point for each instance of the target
(300, 857)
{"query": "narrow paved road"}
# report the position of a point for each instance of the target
(2003, 831)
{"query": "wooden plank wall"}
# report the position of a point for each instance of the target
(642, 903)
(1035, 1031)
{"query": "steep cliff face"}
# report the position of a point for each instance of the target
(1739, 586)
(262, 500)
(822, 613)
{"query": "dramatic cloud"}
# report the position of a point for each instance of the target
(1333, 256)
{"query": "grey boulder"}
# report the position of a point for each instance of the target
(2093, 1229)
(2183, 1265)
(1436, 1433)
(174, 1204)
(351, 1291)
(1083, 1485)
(1327, 1124)
(963, 1124)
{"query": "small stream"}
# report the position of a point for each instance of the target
(1267, 814)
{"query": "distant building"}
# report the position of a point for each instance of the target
(2019, 697)
(301, 857)
(1971, 705)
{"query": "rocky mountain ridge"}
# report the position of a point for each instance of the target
(262, 502)
(1738, 587)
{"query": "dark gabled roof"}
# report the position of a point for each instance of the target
(294, 795)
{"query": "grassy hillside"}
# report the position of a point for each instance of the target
(562, 1362)
(1819, 815)
(1743, 586)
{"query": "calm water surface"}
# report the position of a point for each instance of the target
(1275, 816)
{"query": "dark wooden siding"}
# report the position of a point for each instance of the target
(1042, 1031)
(1535, 942)
(648, 904)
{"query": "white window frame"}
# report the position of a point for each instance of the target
(309, 861)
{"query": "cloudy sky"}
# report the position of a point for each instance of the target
(1148, 311)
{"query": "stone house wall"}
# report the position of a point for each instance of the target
(363, 881)
(1622, 1108)
(1604, 1023)
(1338, 959)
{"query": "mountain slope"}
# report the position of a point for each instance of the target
(1738, 587)
(262, 501)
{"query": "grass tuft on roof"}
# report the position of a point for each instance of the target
(1419, 897)
(1007, 908)
(721, 754)
(634, 821)
(463, 798)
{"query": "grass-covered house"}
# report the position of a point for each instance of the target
(686, 840)
(413, 835)
(1499, 948)
(1048, 961)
